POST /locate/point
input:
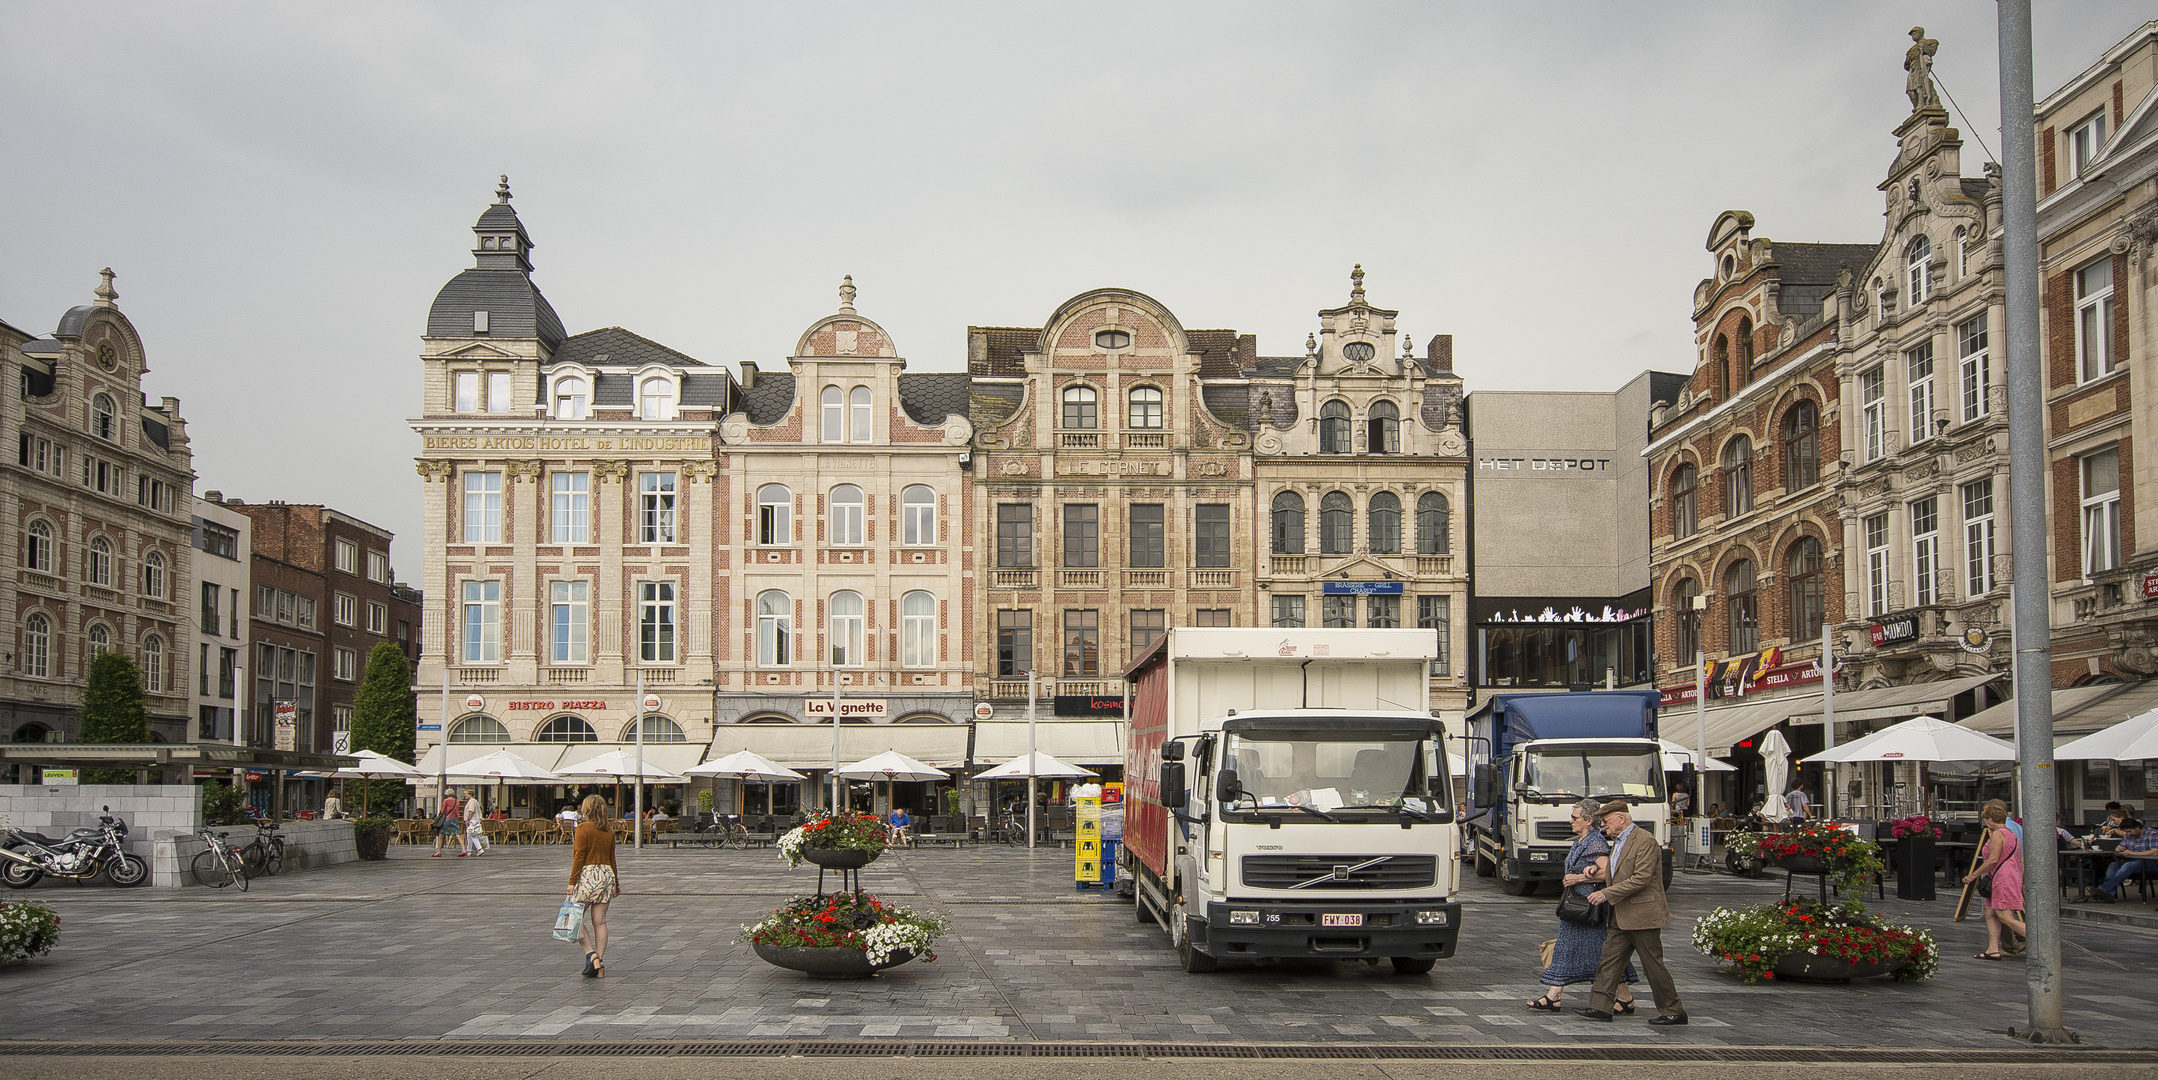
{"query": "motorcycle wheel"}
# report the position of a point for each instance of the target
(127, 871)
(15, 875)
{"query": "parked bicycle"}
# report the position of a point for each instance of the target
(219, 864)
(265, 854)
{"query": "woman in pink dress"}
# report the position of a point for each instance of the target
(2003, 860)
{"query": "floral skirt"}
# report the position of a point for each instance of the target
(1579, 952)
(595, 885)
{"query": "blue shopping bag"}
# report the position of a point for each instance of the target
(568, 920)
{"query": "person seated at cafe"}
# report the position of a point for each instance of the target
(569, 814)
(1758, 819)
(2063, 838)
(659, 813)
(902, 827)
(2111, 826)
(2138, 852)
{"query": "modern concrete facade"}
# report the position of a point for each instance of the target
(223, 593)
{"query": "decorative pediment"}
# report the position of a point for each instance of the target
(480, 350)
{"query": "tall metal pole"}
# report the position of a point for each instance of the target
(1030, 761)
(1700, 729)
(637, 841)
(1828, 714)
(2032, 639)
(442, 738)
(833, 804)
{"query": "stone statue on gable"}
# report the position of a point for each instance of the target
(1919, 62)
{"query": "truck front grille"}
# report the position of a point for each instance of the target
(1554, 830)
(1319, 873)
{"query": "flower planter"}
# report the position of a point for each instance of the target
(372, 843)
(1802, 864)
(1813, 967)
(828, 963)
(840, 858)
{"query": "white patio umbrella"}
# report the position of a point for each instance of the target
(744, 765)
(889, 766)
(502, 767)
(620, 765)
(1036, 764)
(1922, 739)
(373, 766)
(2132, 739)
(1676, 756)
(1776, 758)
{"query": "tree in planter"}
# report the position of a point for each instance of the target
(113, 711)
(222, 804)
(383, 715)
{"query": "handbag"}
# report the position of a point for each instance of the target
(1543, 953)
(1983, 887)
(1574, 907)
(568, 920)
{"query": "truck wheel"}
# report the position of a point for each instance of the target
(1413, 965)
(1484, 867)
(1195, 962)
(1512, 883)
(1146, 915)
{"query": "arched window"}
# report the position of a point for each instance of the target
(917, 630)
(37, 645)
(1744, 606)
(1745, 345)
(775, 517)
(846, 629)
(1382, 432)
(1801, 446)
(860, 421)
(101, 417)
(153, 575)
(565, 729)
(1288, 524)
(1079, 410)
(1688, 620)
(1336, 527)
(1916, 274)
(655, 399)
(570, 399)
(1738, 476)
(97, 565)
(845, 524)
(1719, 354)
(917, 515)
(1334, 427)
(1385, 523)
(153, 664)
(775, 629)
(479, 729)
(37, 547)
(656, 729)
(834, 403)
(99, 640)
(1685, 508)
(1145, 408)
(1434, 524)
(1808, 606)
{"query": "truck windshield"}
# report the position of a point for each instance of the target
(1331, 770)
(1562, 773)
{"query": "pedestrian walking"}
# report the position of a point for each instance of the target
(447, 824)
(1578, 951)
(333, 808)
(1798, 804)
(2002, 874)
(592, 881)
(1639, 912)
(475, 836)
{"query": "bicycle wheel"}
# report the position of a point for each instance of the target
(274, 858)
(210, 869)
(252, 858)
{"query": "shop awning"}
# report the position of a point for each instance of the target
(1730, 724)
(2077, 710)
(673, 757)
(1080, 742)
(154, 755)
(1897, 702)
(803, 747)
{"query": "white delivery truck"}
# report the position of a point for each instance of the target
(1286, 795)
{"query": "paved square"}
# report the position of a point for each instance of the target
(459, 948)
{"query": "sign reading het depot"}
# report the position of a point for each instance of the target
(1544, 466)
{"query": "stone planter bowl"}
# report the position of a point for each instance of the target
(840, 858)
(373, 843)
(1803, 864)
(1812, 967)
(827, 963)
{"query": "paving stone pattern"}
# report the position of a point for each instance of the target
(459, 948)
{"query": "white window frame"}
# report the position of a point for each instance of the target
(501, 398)
(861, 415)
(1873, 410)
(153, 664)
(344, 665)
(378, 566)
(918, 629)
(2095, 347)
(1917, 276)
(845, 519)
(775, 516)
(104, 418)
(1149, 412)
(1873, 530)
(465, 392)
(569, 622)
(378, 618)
(918, 516)
(346, 556)
(572, 397)
(153, 575)
(2085, 141)
(1918, 366)
(570, 517)
(345, 609)
(775, 629)
(2101, 510)
(832, 403)
(483, 508)
(1978, 541)
(659, 629)
(659, 508)
(480, 624)
(303, 611)
(37, 645)
(655, 398)
(1926, 551)
(847, 629)
(38, 546)
(97, 562)
(1974, 366)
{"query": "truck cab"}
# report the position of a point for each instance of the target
(1536, 755)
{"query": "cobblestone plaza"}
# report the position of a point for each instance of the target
(448, 949)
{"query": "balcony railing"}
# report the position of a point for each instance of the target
(1079, 440)
(1290, 564)
(1010, 690)
(1079, 579)
(1432, 565)
(1145, 440)
(1015, 579)
(1103, 688)
(41, 581)
(567, 676)
(471, 675)
(1146, 579)
(1213, 579)
(659, 675)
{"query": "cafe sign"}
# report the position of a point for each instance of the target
(866, 708)
(1888, 633)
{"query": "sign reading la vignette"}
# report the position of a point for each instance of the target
(872, 708)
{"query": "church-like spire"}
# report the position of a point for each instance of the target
(502, 243)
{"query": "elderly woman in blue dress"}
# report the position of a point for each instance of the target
(1580, 948)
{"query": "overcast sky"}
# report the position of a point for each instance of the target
(282, 188)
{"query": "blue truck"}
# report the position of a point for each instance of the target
(1533, 756)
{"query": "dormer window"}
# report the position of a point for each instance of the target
(1358, 352)
(101, 414)
(479, 322)
(570, 398)
(655, 399)
(1916, 271)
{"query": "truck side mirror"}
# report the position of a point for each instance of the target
(1172, 785)
(1226, 787)
(1686, 774)
(1487, 784)
(1172, 751)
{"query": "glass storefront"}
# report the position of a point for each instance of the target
(1554, 642)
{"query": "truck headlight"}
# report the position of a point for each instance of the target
(1244, 918)
(1539, 856)
(1431, 918)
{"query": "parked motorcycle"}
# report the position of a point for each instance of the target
(27, 857)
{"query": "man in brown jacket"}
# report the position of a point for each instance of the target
(1639, 912)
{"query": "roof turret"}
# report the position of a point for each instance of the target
(496, 298)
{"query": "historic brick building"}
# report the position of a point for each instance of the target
(97, 508)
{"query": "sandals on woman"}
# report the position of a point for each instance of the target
(589, 964)
(1988, 956)
(1545, 1004)
(1624, 1008)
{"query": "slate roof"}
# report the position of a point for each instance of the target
(614, 391)
(514, 307)
(1230, 404)
(43, 348)
(1005, 345)
(1277, 366)
(991, 405)
(1223, 354)
(768, 398)
(72, 323)
(616, 347)
(158, 433)
(499, 216)
(1976, 189)
(709, 390)
(1816, 264)
(931, 396)
(1666, 386)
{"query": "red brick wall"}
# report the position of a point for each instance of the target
(2046, 174)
